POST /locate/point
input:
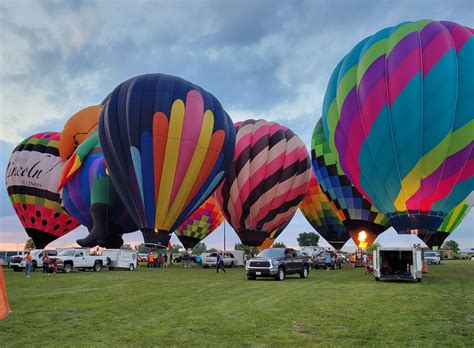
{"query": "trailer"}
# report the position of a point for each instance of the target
(121, 258)
(398, 263)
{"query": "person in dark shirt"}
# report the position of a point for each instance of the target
(219, 263)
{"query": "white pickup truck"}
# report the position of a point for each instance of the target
(68, 259)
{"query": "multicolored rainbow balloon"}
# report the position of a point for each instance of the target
(323, 215)
(167, 144)
(398, 116)
(200, 224)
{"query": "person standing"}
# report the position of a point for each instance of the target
(28, 263)
(46, 263)
(150, 260)
(219, 263)
(328, 260)
(55, 265)
(165, 260)
(171, 258)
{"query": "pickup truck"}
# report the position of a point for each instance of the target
(17, 263)
(277, 263)
(68, 259)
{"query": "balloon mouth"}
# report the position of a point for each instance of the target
(156, 240)
(188, 242)
(337, 244)
(251, 237)
(423, 234)
(40, 238)
(357, 228)
(436, 239)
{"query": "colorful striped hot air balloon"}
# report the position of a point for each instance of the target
(451, 221)
(267, 243)
(32, 179)
(355, 211)
(398, 115)
(167, 143)
(268, 179)
(200, 224)
(323, 215)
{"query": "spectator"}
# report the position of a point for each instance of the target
(219, 263)
(160, 260)
(46, 263)
(54, 266)
(171, 259)
(28, 260)
(328, 261)
(150, 260)
(165, 260)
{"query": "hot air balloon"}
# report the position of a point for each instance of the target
(398, 116)
(89, 195)
(167, 144)
(323, 215)
(268, 179)
(32, 178)
(450, 222)
(200, 224)
(355, 211)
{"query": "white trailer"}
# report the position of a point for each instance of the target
(398, 263)
(121, 258)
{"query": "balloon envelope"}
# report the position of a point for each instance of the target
(32, 178)
(200, 223)
(356, 212)
(167, 143)
(323, 215)
(398, 115)
(268, 179)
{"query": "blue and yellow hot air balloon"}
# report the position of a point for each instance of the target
(167, 144)
(398, 114)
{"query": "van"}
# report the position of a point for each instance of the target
(6, 255)
(398, 263)
(121, 258)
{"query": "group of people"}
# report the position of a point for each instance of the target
(159, 260)
(50, 266)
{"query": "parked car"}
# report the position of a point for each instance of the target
(68, 259)
(320, 260)
(277, 263)
(17, 263)
(432, 257)
(229, 258)
(6, 255)
(142, 257)
(182, 258)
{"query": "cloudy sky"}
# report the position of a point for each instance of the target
(262, 59)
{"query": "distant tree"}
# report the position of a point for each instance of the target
(452, 245)
(278, 245)
(308, 239)
(29, 245)
(141, 248)
(370, 250)
(212, 250)
(126, 247)
(199, 248)
(248, 250)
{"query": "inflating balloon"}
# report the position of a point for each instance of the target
(167, 144)
(355, 211)
(32, 179)
(323, 215)
(89, 195)
(200, 224)
(398, 115)
(451, 222)
(268, 179)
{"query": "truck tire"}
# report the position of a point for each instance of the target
(305, 272)
(67, 268)
(97, 267)
(251, 277)
(232, 264)
(377, 279)
(418, 280)
(111, 268)
(281, 274)
(131, 267)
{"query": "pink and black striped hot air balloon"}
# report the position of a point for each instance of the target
(268, 179)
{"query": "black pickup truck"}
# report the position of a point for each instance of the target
(277, 263)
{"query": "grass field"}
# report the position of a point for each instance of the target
(196, 307)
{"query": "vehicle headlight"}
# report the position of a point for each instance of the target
(274, 263)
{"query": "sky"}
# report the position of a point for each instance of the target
(261, 59)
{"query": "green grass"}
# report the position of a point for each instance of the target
(196, 307)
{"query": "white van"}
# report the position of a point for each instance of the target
(121, 258)
(398, 263)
